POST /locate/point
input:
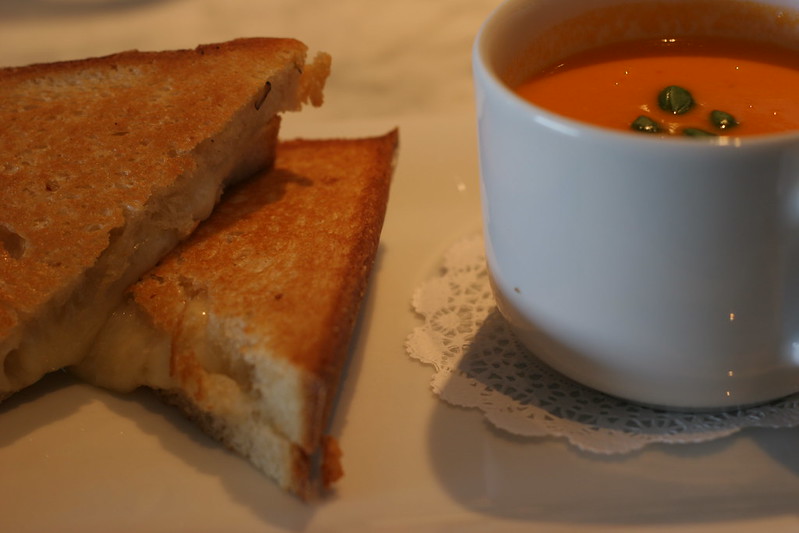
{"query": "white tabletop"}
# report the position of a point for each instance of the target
(74, 458)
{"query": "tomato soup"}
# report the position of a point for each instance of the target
(749, 87)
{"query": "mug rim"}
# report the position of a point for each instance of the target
(486, 73)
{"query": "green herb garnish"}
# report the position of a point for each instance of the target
(722, 120)
(696, 132)
(677, 100)
(674, 99)
(645, 124)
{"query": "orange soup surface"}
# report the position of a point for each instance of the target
(612, 86)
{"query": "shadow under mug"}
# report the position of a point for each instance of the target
(662, 271)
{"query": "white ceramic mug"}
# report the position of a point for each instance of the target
(663, 271)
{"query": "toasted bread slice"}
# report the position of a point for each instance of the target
(106, 163)
(246, 325)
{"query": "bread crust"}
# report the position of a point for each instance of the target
(284, 263)
(88, 145)
(261, 301)
(63, 181)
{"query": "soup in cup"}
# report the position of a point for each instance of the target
(655, 258)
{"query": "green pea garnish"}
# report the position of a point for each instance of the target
(678, 100)
(645, 124)
(722, 120)
(674, 99)
(696, 132)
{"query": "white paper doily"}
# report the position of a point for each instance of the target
(478, 363)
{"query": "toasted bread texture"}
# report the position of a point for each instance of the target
(246, 325)
(106, 163)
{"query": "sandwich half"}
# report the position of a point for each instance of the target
(106, 163)
(246, 325)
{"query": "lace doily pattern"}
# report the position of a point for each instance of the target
(479, 364)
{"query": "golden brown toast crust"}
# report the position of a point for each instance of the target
(76, 158)
(284, 262)
(86, 144)
(280, 269)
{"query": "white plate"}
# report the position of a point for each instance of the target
(74, 458)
